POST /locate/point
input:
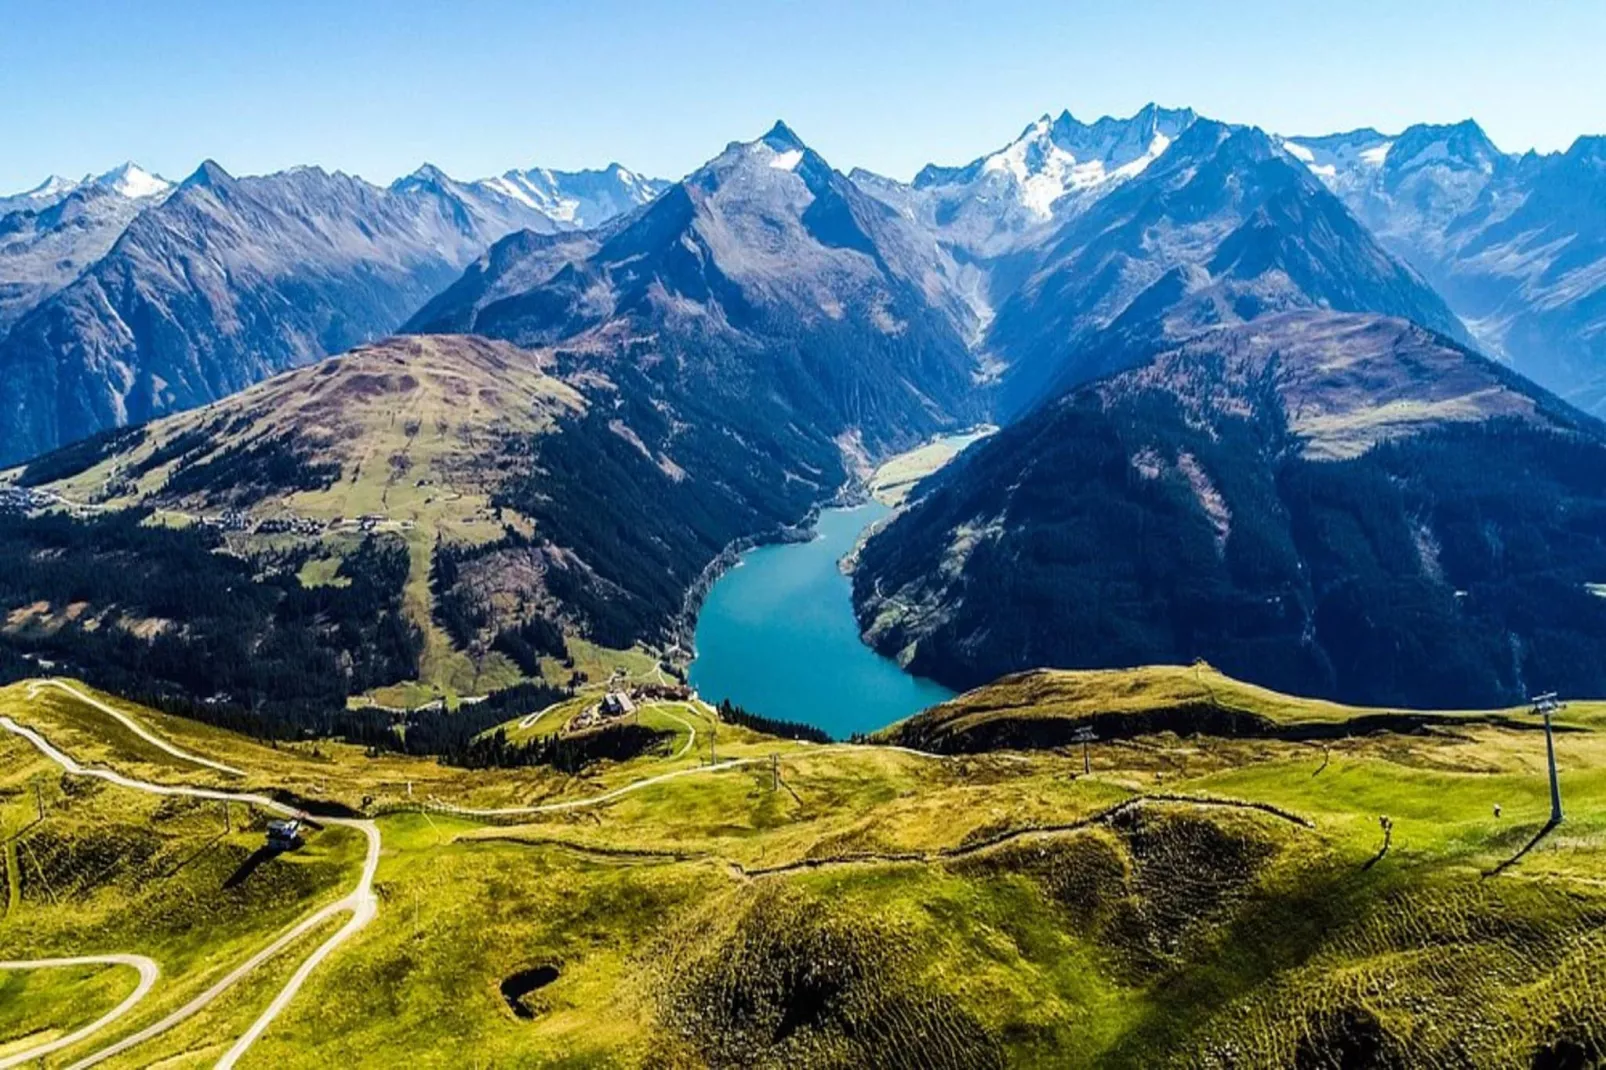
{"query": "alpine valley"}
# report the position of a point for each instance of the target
(1248, 486)
(1254, 319)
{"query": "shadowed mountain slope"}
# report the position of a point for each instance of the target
(1341, 506)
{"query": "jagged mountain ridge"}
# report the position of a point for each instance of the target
(1054, 168)
(44, 249)
(580, 199)
(764, 275)
(1079, 247)
(221, 282)
(50, 234)
(1222, 227)
(1516, 244)
(128, 180)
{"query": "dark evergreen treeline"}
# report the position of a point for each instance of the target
(453, 736)
(530, 696)
(771, 726)
(450, 735)
(80, 456)
(704, 439)
(161, 612)
(458, 611)
(568, 754)
(1458, 564)
(528, 642)
(185, 442)
(648, 527)
(464, 615)
(252, 470)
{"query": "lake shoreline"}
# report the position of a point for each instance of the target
(780, 637)
(856, 491)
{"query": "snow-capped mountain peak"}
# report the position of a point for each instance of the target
(1056, 157)
(50, 189)
(133, 181)
(1361, 158)
(130, 181)
(1462, 146)
(581, 199)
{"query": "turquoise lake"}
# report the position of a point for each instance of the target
(776, 636)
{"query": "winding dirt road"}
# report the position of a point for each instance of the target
(130, 724)
(594, 800)
(691, 733)
(361, 902)
(148, 973)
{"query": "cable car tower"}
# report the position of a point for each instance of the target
(1545, 705)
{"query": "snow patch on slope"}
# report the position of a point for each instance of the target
(134, 182)
(582, 199)
(787, 161)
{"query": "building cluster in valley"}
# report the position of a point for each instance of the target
(228, 520)
(290, 525)
(17, 500)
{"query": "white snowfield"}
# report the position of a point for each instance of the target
(361, 903)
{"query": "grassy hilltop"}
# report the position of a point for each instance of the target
(1196, 900)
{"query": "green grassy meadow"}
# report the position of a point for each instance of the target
(1193, 900)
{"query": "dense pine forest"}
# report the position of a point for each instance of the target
(1449, 569)
(139, 608)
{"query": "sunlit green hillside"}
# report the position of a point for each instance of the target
(1192, 900)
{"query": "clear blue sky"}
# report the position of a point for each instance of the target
(377, 86)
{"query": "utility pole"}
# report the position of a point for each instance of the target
(38, 800)
(775, 772)
(1546, 705)
(228, 826)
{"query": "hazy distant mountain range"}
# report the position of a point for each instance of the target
(1054, 256)
(1259, 346)
(124, 296)
(1515, 244)
(51, 234)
